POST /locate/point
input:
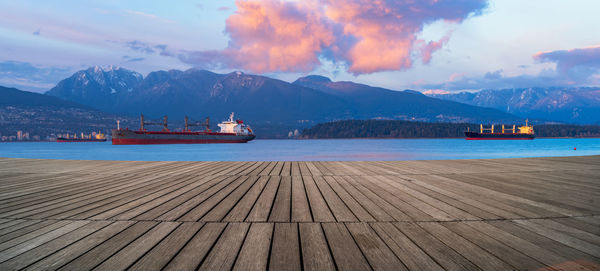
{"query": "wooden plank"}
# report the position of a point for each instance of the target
(360, 213)
(192, 203)
(390, 209)
(579, 224)
(262, 207)
(319, 209)
(568, 230)
(129, 254)
(345, 252)
(304, 171)
(277, 169)
(285, 254)
(47, 227)
(222, 209)
(377, 212)
(336, 205)
(286, 169)
(561, 237)
(472, 252)
(295, 169)
(225, 251)
(441, 253)
(44, 250)
(162, 253)
(254, 254)
(516, 259)
(192, 254)
(20, 224)
(196, 195)
(378, 254)
(282, 204)
(300, 209)
(241, 210)
(98, 254)
(532, 250)
(25, 230)
(408, 252)
(396, 201)
(315, 251)
(551, 245)
(73, 251)
(39, 240)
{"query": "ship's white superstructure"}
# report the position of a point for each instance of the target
(235, 127)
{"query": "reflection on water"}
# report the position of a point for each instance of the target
(308, 150)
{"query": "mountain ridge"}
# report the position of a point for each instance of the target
(571, 105)
(262, 99)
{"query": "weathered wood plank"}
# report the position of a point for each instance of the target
(285, 253)
(254, 254)
(162, 253)
(129, 254)
(192, 254)
(225, 251)
(300, 208)
(262, 208)
(315, 251)
(74, 250)
(378, 254)
(98, 254)
(345, 252)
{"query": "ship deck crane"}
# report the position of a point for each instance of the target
(206, 124)
(164, 123)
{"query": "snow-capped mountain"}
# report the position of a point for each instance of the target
(572, 105)
(200, 93)
(99, 86)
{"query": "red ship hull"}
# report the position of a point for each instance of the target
(130, 141)
(129, 137)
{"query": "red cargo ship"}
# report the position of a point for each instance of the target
(231, 132)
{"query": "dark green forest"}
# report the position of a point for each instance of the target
(409, 129)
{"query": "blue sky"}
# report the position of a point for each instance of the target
(430, 46)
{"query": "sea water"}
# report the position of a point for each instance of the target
(308, 150)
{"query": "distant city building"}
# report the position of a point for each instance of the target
(19, 135)
(36, 137)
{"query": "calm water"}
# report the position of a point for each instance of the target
(307, 150)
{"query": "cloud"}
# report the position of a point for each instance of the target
(137, 45)
(148, 16)
(574, 64)
(145, 47)
(133, 59)
(224, 8)
(574, 67)
(37, 32)
(367, 36)
(26, 76)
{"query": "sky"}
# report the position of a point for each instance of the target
(434, 46)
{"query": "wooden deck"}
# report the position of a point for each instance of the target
(502, 214)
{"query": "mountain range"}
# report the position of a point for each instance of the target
(274, 107)
(265, 102)
(568, 105)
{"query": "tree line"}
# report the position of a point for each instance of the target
(410, 129)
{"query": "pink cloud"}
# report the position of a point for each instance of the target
(368, 36)
(428, 49)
